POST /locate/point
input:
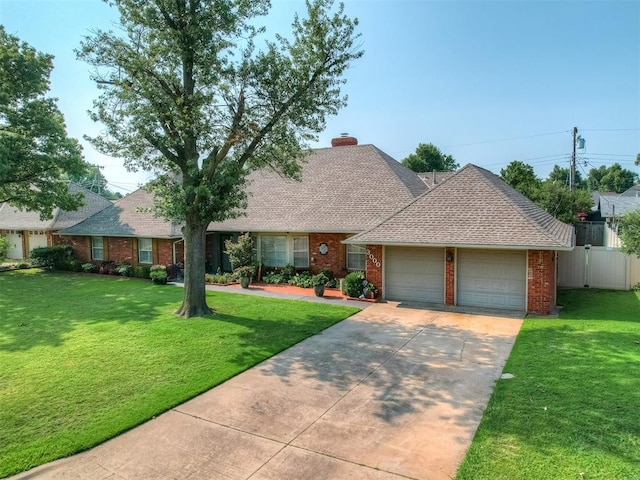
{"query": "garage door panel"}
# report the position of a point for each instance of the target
(494, 279)
(414, 274)
(15, 246)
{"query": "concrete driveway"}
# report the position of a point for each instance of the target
(390, 393)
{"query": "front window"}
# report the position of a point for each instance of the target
(97, 248)
(356, 258)
(273, 250)
(301, 252)
(144, 250)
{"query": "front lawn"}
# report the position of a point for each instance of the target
(572, 410)
(84, 357)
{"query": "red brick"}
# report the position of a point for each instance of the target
(541, 281)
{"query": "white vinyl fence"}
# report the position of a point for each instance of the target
(598, 267)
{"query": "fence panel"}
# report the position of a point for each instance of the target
(597, 267)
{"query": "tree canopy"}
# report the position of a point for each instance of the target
(95, 181)
(35, 153)
(187, 92)
(552, 194)
(611, 179)
(428, 158)
(630, 232)
(561, 175)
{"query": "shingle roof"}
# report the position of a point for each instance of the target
(632, 192)
(433, 179)
(14, 218)
(474, 207)
(343, 189)
(613, 204)
(131, 216)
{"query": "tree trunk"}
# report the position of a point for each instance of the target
(194, 303)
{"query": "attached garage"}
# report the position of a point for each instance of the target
(414, 274)
(37, 239)
(14, 237)
(492, 278)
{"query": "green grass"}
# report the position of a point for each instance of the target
(83, 358)
(572, 411)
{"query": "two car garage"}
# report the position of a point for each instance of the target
(484, 278)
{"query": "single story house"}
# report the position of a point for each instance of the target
(610, 207)
(126, 231)
(25, 231)
(464, 239)
(472, 241)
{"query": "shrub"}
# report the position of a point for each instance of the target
(239, 252)
(302, 279)
(273, 277)
(319, 279)
(74, 265)
(124, 269)
(288, 272)
(4, 247)
(108, 268)
(636, 287)
(23, 265)
(174, 271)
(54, 257)
(89, 268)
(158, 274)
(219, 278)
(353, 284)
(141, 271)
(333, 281)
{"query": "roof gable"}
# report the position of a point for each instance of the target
(611, 205)
(342, 189)
(473, 207)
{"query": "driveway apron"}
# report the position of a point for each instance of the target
(389, 393)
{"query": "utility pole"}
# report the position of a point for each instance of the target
(572, 168)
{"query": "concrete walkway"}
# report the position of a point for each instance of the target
(390, 393)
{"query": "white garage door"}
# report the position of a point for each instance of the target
(414, 274)
(494, 279)
(15, 244)
(37, 239)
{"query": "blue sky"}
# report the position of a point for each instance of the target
(488, 82)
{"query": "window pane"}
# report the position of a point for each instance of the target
(144, 250)
(356, 257)
(300, 252)
(97, 248)
(274, 250)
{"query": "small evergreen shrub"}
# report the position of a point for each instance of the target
(141, 271)
(158, 274)
(353, 284)
(333, 281)
(287, 272)
(54, 257)
(273, 277)
(4, 247)
(89, 268)
(124, 269)
(23, 265)
(302, 279)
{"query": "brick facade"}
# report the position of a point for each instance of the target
(122, 249)
(541, 281)
(374, 266)
(336, 257)
(450, 277)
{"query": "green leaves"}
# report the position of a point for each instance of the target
(630, 232)
(35, 153)
(429, 158)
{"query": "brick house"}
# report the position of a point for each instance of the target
(126, 231)
(25, 231)
(471, 241)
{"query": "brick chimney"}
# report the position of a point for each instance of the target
(344, 140)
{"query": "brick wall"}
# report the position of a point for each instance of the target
(541, 281)
(450, 277)
(81, 246)
(336, 257)
(163, 251)
(374, 266)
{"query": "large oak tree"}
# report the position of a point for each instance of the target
(187, 92)
(36, 156)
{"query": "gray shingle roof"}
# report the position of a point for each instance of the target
(474, 207)
(131, 216)
(14, 218)
(613, 204)
(433, 179)
(343, 189)
(632, 192)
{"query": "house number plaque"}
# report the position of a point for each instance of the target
(373, 259)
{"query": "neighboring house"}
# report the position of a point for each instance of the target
(343, 190)
(632, 192)
(610, 207)
(25, 231)
(126, 231)
(472, 241)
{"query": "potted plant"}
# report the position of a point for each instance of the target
(244, 274)
(369, 290)
(319, 282)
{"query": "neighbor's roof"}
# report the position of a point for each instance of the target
(343, 189)
(131, 216)
(632, 192)
(13, 218)
(473, 208)
(613, 204)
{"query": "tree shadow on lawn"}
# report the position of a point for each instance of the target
(43, 309)
(400, 370)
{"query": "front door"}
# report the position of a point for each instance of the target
(225, 263)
